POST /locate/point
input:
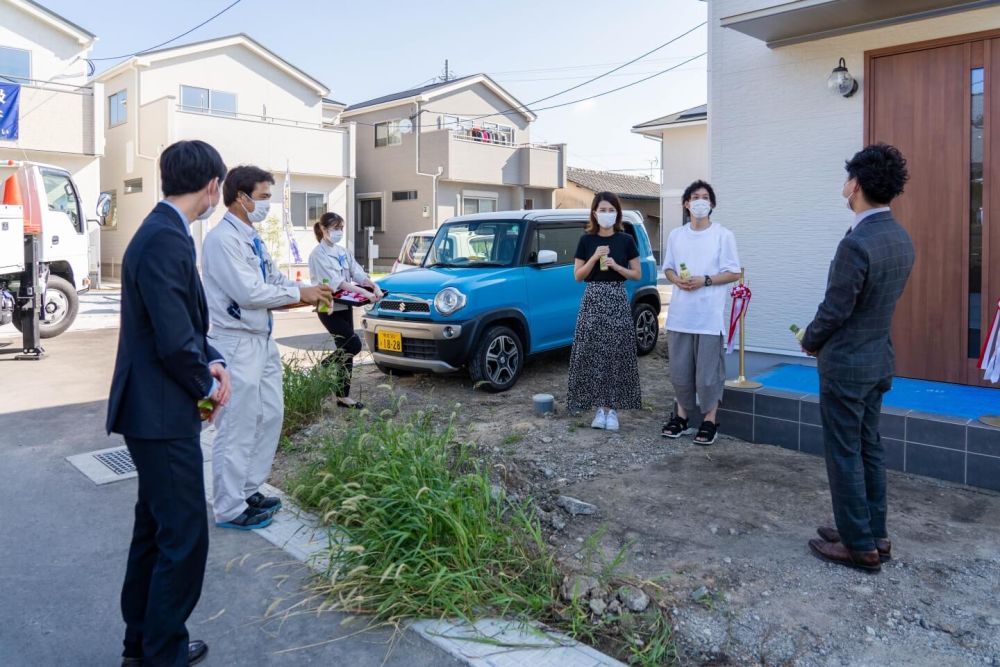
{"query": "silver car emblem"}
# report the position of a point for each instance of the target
(402, 306)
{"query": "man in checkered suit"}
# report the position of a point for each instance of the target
(850, 338)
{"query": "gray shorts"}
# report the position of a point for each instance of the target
(697, 369)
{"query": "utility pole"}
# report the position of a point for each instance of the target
(448, 75)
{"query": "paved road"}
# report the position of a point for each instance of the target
(63, 540)
(98, 310)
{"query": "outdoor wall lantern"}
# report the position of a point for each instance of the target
(841, 81)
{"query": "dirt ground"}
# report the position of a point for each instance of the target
(723, 529)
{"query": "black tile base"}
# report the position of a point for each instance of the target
(949, 448)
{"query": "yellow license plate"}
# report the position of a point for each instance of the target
(390, 341)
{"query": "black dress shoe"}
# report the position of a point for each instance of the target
(197, 650)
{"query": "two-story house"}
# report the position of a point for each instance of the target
(59, 115)
(252, 105)
(450, 148)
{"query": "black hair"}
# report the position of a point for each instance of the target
(880, 170)
(610, 197)
(694, 187)
(188, 166)
(328, 219)
(244, 179)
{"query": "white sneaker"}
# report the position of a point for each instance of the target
(600, 420)
(611, 423)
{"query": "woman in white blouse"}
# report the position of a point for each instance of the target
(333, 263)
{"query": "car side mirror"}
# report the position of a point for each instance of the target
(546, 257)
(103, 207)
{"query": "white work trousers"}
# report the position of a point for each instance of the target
(248, 427)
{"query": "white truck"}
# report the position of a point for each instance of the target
(43, 201)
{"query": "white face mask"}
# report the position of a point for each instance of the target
(260, 210)
(606, 219)
(335, 236)
(700, 208)
(847, 200)
(211, 209)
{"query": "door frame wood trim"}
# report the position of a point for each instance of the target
(932, 44)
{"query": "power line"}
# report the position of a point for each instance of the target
(569, 78)
(561, 68)
(627, 85)
(172, 39)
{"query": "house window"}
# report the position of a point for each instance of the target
(15, 63)
(307, 209)
(133, 185)
(370, 215)
(116, 108)
(404, 195)
(472, 205)
(529, 204)
(388, 134)
(204, 100)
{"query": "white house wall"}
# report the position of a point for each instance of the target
(55, 55)
(778, 142)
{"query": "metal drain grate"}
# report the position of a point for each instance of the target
(119, 461)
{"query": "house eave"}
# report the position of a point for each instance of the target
(809, 20)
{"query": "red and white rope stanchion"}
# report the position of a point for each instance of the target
(737, 320)
(989, 361)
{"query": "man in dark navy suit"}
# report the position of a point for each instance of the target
(163, 368)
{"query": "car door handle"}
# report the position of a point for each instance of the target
(55, 240)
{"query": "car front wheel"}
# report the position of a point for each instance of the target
(647, 328)
(498, 360)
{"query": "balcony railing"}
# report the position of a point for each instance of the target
(59, 118)
(270, 142)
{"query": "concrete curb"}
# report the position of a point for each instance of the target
(485, 643)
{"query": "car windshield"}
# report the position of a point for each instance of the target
(486, 243)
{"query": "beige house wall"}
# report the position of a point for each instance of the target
(319, 158)
(510, 174)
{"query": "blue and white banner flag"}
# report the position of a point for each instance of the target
(10, 98)
(286, 214)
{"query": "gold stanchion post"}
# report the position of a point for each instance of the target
(742, 382)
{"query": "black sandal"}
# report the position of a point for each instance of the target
(707, 433)
(356, 405)
(675, 427)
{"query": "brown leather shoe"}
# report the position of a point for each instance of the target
(883, 545)
(835, 552)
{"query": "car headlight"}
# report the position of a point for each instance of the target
(449, 300)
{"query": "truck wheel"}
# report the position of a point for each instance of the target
(392, 371)
(60, 307)
(647, 328)
(498, 360)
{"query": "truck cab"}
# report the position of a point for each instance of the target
(48, 203)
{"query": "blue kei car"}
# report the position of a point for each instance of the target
(494, 289)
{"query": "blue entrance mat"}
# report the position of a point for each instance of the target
(906, 394)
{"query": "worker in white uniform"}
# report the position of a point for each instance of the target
(243, 285)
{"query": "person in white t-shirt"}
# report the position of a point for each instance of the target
(700, 259)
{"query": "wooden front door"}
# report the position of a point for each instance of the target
(935, 102)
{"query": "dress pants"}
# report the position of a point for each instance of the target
(166, 562)
(855, 458)
(249, 427)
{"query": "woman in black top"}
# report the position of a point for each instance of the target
(603, 367)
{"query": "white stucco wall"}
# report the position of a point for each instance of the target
(778, 141)
(55, 55)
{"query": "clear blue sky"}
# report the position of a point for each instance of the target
(532, 47)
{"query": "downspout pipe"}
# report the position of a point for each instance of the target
(435, 176)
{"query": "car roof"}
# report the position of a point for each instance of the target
(541, 214)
